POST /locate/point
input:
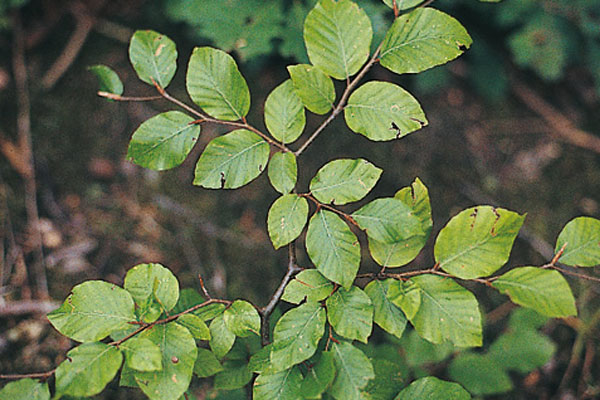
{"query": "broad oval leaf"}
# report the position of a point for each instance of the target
(108, 80)
(284, 385)
(313, 87)
(448, 312)
(153, 56)
(333, 248)
(297, 335)
(232, 160)
(582, 239)
(195, 325)
(390, 377)
(319, 377)
(350, 313)
(206, 364)
(235, 375)
(354, 371)
(163, 141)
(283, 171)
(25, 389)
(344, 181)
(338, 37)
(433, 388)
(308, 284)
(406, 295)
(215, 83)
(545, 291)
(387, 315)
(402, 252)
(286, 219)
(179, 352)
(479, 374)
(221, 338)
(284, 113)
(87, 369)
(149, 283)
(522, 349)
(388, 220)
(477, 242)
(142, 354)
(242, 319)
(383, 111)
(92, 311)
(421, 40)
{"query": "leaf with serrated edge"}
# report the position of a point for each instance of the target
(315, 89)
(405, 295)
(582, 239)
(338, 37)
(477, 242)
(163, 141)
(242, 319)
(350, 313)
(231, 160)
(284, 113)
(388, 316)
(448, 312)
(215, 83)
(283, 171)
(344, 181)
(354, 370)
(286, 219)
(545, 291)
(93, 310)
(383, 111)
(153, 56)
(433, 388)
(309, 284)
(87, 369)
(388, 220)
(333, 248)
(421, 40)
(284, 385)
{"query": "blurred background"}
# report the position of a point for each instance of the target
(513, 123)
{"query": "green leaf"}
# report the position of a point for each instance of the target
(87, 370)
(142, 354)
(406, 295)
(522, 350)
(25, 389)
(283, 385)
(418, 352)
(179, 352)
(195, 325)
(215, 83)
(206, 364)
(92, 311)
(383, 111)
(344, 181)
(402, 4)
(235, 375)
(350, 313)
(286, 219)
(389, 317)
(338, 37)
(297, 335)
(163, 141)
(333, 248)
(153, 56)
(221, 338)
(309, 284)
(242, 319)
(260, 362)
(189, 298)
(582, 238)
(477, 242)
(388, 220)
(319, 377)
(479, 374)
(421, 40)
(402, 252)
(545, 291)
(354, 370)
(108, 80)
(389, 379)
(434, 389)
(526, 318)
(152, 284)
(447, 312)
(232, 160)
(284, 113)
(313, 87)
(283, 172)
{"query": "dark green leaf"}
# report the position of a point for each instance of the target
(206, 364)
(284, 113)
(283, 172)
(286, 219)
(283, 385)
(479, 374)
(153, 56)
(419, 352)
(108, 80)
(309, 284)
(242, 319)
(314, 88)
(319, 377)
(232, 160)
(235, 375)
(389, 317)
(221, 338)
(522, 350)
(389, 379)
(582, 239)
(388, 220)
(354, 371)
(25, 389)
(260, 362)
(434, 389)
(350, 313)
(142, 354)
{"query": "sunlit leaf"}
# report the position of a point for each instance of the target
(242, 319)
(582, 239)
(142, 354)
(387, 315)
(308, 284)
(350, 313)
(388, 220)
(153, 56)
(284, 113)
(152, 282)
(406, 295)
(314, 88)
(286, 219)
(283, 172)
(195, 325)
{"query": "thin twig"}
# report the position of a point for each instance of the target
(118, 97)
(572, 273)
(340, 106)
(320, 205)
(35, 375)
(203, 287)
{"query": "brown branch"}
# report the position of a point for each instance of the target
(320, 205)
(572, 273)
(340, 106)
(35, 375)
